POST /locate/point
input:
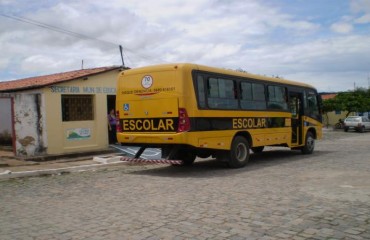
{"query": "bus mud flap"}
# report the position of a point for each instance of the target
(151, 161)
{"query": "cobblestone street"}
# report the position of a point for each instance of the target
(280, 194)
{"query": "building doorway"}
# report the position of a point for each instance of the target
(111, 104)
(7, 126)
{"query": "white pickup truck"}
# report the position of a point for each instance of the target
(357, 123)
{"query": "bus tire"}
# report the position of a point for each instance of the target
(239, 152)
(309, 144)
(186, 156)
(204, 153)
(258, 149)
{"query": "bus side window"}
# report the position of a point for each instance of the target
(252, 95)
(213, 87)
(201, 92)
(246, 95)
(259, 97)
(221, 94)
(312, 104)
(277, 98)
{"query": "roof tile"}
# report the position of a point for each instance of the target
(41, 81)
(328, 96)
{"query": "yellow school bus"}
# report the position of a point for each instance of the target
(190, 111)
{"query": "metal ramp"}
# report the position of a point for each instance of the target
(151, 161)
(137, 155)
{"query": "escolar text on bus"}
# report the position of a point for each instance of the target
(165, 124)
(242, 123)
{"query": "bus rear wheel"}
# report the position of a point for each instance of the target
(239, 152)
(187, 157)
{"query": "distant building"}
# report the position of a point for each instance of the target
(331, 118)
(58, 113)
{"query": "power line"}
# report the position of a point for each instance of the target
(56, 29)
(75, 34)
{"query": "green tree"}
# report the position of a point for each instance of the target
(356, 101)
(329, 105)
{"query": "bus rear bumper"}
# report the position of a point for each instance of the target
(152, 139)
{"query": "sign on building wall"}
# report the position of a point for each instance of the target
(78, 89)
(78, 133)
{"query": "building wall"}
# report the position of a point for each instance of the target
(29, 124)
(331, 118)
(92, 134)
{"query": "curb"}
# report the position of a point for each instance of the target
(56, 171)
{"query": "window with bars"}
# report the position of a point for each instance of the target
(77, 107)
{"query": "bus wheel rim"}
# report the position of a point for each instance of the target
(310, 143)
(241, 152)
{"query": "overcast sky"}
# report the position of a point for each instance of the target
(325, 43)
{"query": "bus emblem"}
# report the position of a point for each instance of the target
(147, 81)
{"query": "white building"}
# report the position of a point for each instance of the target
(60, 113)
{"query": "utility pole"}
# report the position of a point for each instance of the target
(120, 49)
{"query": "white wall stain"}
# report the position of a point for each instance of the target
(27, 126)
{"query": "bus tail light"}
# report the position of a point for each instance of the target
(118, 126)
(184, 121)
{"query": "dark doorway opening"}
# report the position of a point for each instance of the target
(7, 140)
(111, 104)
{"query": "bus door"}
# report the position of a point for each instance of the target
(296, 108)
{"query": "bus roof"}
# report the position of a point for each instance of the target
(191, 66)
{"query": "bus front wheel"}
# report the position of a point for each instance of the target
(239, 152)
(309, 145)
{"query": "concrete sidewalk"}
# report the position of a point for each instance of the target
(11, 167)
